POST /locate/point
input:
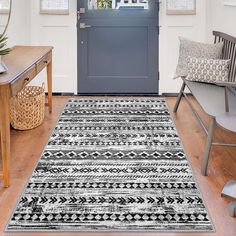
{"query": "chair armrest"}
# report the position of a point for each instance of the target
(226, 84)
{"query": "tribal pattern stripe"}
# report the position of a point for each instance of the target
(112, 165)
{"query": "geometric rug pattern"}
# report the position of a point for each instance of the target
(112, 165)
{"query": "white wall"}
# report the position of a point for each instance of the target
(221, 18)
(60, 32)
(18, 31)
(29, 27)
(189, 26)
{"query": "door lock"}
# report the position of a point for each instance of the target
(84, 26)
(81, 11)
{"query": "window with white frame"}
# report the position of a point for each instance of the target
(4, 6)
(54, 7)
(229, 2)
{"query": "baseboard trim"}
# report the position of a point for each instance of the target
(174, 94)
(169, 94)
(61, 94)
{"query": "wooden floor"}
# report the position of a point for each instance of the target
(27, 146)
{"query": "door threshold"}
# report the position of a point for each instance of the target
(120, 94)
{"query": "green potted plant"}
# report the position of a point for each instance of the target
(4, 50)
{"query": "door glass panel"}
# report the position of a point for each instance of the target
(117, 4)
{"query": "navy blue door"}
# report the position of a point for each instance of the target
(117, 46)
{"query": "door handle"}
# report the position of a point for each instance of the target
(84, 26)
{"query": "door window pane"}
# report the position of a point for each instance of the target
(117, 4)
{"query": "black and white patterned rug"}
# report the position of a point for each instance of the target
(112, 165)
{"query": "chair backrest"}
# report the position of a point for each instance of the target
(229, 51)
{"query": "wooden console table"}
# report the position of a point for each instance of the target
(23, 63)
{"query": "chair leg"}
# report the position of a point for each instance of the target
(232, 209)
(179, 97)
(208, 146)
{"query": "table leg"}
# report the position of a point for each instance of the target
(5, 132)
(49, 80)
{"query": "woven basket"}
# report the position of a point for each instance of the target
(27, 108)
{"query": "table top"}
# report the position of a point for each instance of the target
(20, 59)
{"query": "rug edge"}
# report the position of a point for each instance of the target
(191, 167)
